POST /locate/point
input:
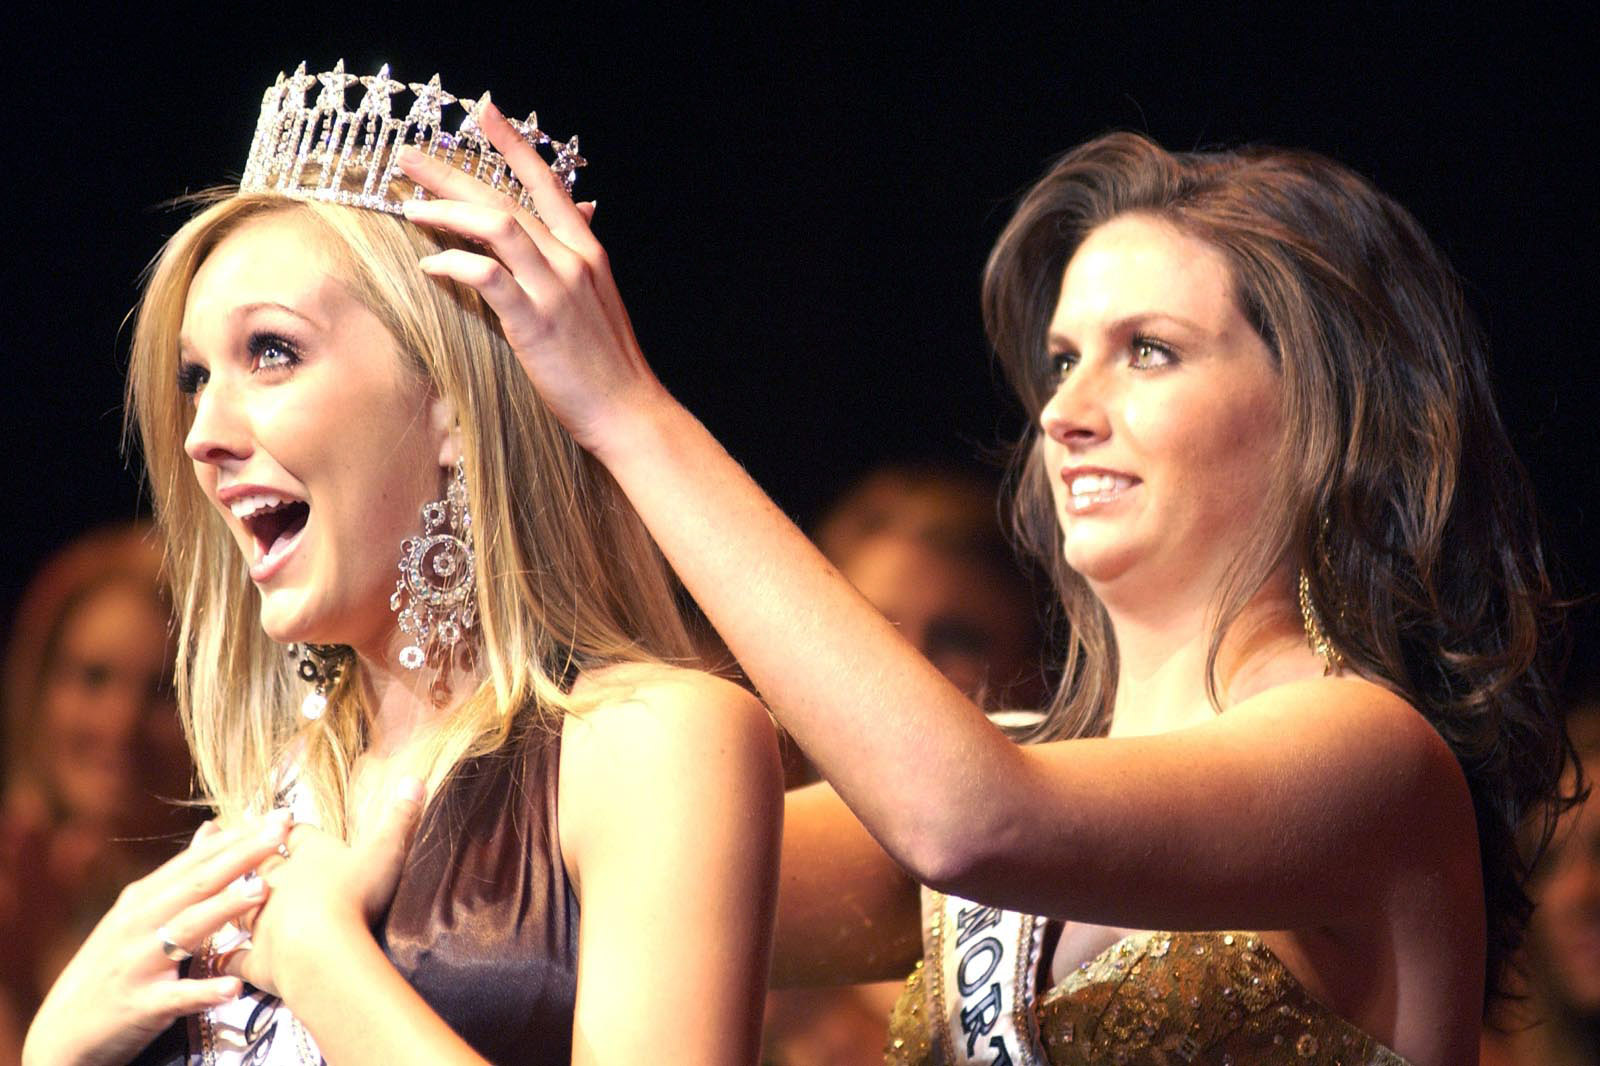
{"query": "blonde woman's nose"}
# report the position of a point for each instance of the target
(218, 432)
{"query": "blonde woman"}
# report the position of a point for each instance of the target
(592, 876)
(1270, 817)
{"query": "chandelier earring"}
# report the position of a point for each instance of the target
(435, 596)
(320, 665)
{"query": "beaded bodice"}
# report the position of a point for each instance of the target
(1170, 999)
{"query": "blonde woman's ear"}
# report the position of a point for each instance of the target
(442, 422)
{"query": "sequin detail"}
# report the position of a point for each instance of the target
(1159, 999)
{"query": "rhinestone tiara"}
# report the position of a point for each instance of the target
(326, 152)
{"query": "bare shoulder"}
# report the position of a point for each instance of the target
(1370, 738)
(1354, 712)
(652, 753)
(668, 709)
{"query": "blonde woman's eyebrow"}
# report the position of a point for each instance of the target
(245, 310)
(186, 346)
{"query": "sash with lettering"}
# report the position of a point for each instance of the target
(982, 980)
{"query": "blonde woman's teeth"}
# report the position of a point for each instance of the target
(249, 506)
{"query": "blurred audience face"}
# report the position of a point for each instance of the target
(970, 622)
(1564, 933)
(925, 547)
(110, 733)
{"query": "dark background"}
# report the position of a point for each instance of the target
(798, 205)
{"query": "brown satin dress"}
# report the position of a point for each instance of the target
(484, 923)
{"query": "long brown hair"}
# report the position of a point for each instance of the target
(1396, 489)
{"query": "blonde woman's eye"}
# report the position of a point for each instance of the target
(1149, 354)
(272, 352)
(192, 377)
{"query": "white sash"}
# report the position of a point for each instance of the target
(983, 967)
(256, 1029)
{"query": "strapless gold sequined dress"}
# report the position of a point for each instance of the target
(1170, 999)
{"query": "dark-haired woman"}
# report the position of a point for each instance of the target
(1269, 816)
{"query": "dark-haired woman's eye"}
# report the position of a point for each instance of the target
(1148, 354)
(1061, 364)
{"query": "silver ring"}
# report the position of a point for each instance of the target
(170, 947)
(283, 849)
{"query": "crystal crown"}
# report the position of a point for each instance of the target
(325, 152)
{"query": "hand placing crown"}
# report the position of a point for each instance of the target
(323, 151)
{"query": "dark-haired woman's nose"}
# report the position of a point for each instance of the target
(1076, 415)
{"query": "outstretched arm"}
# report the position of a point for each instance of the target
(887, 728)
(1307, 786)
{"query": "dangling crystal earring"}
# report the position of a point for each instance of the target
(1316, 636)
(321, 665)
(436, 595)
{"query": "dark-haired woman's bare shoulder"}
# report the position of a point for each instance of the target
(1371, 762)
(1372, 737)
(1365, 719)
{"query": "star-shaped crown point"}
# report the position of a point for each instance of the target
(334, 83)
(430, 101)
(475, 110)
(529, 129)
(298, 83)
(379, 88)
(272, 99)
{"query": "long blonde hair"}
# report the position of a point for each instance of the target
(567, 576)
